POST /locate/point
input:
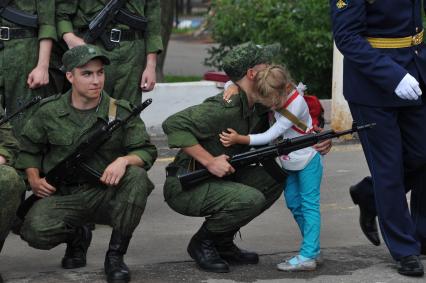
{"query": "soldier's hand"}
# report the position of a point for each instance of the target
(2, 160)
(408, 88)
(219, 166)
(41, 187)
(38, 77)
(72, 40)
(148, 78)
(114, 172)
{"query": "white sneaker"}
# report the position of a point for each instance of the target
(298, 263)
(319, 259)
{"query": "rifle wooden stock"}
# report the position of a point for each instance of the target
(264, 153)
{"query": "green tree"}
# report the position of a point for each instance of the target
(301, 26)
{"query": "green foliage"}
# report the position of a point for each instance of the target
(302, 27)
(179, 79)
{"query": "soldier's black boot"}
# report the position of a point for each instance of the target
(362, 194)
(231, 253)
(1, 279)
(115, 268)
(202, 249)
(75, 254)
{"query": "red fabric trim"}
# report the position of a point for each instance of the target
(291, 98)
(299, 130)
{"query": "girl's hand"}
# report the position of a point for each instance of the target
(229, 138)
(230, 91)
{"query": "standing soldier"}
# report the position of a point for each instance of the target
(118, 198)
(383, 81)
(129, 36)
(27, 30)
(11, 185)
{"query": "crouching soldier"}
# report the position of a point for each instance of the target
(11, 185)
(118, 197)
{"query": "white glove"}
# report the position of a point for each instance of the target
(408, 88)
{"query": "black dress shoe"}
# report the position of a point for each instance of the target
(367, 219)
(410, 266)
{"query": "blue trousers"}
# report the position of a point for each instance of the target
(302, 196)
(395, 151)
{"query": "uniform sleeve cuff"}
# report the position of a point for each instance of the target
(25, 161)
(181, 139)
(154, 45)
(64, 27)
(145, 156)
(47, 31)
(6, 154)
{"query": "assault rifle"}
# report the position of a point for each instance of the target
(17, 16)
(266, 153)
(24, 107)
(113, 11)
(75, 164)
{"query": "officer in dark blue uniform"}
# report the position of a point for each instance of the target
(384, 75)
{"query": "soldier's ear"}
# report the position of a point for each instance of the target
(251, 73)
(70, 76)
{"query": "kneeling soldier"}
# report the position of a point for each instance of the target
(11, 185)
(117, 198)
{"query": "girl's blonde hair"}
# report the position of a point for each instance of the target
(274, 79)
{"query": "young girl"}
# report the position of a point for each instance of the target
(302, 189)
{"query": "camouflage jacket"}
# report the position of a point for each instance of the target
(55, 130)
(202, 124)
(74, 14)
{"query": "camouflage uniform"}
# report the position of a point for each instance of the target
(230, 203)
(58, 126)
(129, 59)
(20, 55)
(233, 201)
(11, 185)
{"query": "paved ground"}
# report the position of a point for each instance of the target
(185, 57)
(157, 252)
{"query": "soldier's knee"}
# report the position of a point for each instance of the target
(136, 185)
(253, 201)
(10, 183)
(33, 235)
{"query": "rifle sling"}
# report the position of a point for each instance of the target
(112, 111)
(296, 121)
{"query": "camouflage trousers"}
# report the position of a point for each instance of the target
(52, 220)
(11, 189)
(17, 59)
(123, 75)
(226, 205)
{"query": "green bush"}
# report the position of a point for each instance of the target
(301, 26)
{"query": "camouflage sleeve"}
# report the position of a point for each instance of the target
(192, 124)
(9, 146)
(153, 34)
(46, 19)
(33, 142)
(137, 142)
(65, 10)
